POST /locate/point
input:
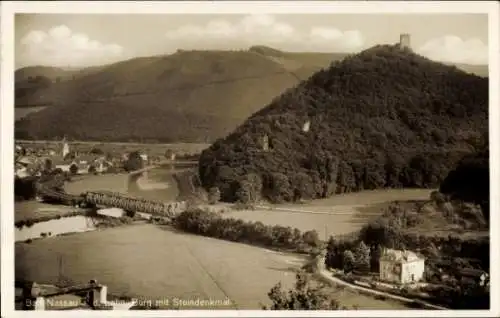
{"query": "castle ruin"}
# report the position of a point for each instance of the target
(404, 41)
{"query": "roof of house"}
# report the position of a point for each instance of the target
(25, 160)
(399, 256)
(59, 161)
(87, 157)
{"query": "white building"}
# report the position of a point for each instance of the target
(306, 126)
(65, 148)
(401, 267)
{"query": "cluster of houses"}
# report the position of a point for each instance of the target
(31, 164)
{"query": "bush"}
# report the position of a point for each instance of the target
(92, 169)
(73, 169)
(134, 162)
(438, 197)
(302, 297)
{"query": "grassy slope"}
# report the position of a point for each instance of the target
(190, 95)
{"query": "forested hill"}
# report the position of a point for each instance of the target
(469, 181)
(189, 96)
(385, 117)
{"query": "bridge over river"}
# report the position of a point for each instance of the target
(120, 200)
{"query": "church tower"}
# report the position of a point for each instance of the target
(65, 147)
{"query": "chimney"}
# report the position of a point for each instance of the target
(404, 41)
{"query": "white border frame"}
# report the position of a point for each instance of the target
(9, 8)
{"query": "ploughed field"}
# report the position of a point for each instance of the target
(337, 215)
(154, 262)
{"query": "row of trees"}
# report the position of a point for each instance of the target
(322, 175)
(207, 223)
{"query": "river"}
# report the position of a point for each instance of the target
(71, 224)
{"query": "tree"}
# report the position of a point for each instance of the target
(333, 255)
(375, 258)
(48, 165)
(92, 169)
(73, 169)
(25, 188)
(169, 153)
(348, 261)
(311, 238)
(96, 151)
(213, 195)
(250, 188)
(438, 197)
(362, 257)
(70, 155)
(470, 181)
(302, 297)
(280, 188)
(134, 162)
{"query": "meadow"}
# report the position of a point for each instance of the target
(156, 184)
(152, 262)
(341, 214)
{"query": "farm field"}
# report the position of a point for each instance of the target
(338, 215)
(157, 263)
(368, 197)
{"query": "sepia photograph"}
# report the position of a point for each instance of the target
(248, 157)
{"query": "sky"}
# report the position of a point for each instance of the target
(80, 40)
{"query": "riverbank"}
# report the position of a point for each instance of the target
(73, 224)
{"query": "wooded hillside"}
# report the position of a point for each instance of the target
(385, 117)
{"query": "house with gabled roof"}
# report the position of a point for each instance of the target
(401, 267)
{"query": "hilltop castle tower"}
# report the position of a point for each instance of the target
(404, 41)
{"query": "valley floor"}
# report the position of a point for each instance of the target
(158, 262)
(337, 215)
